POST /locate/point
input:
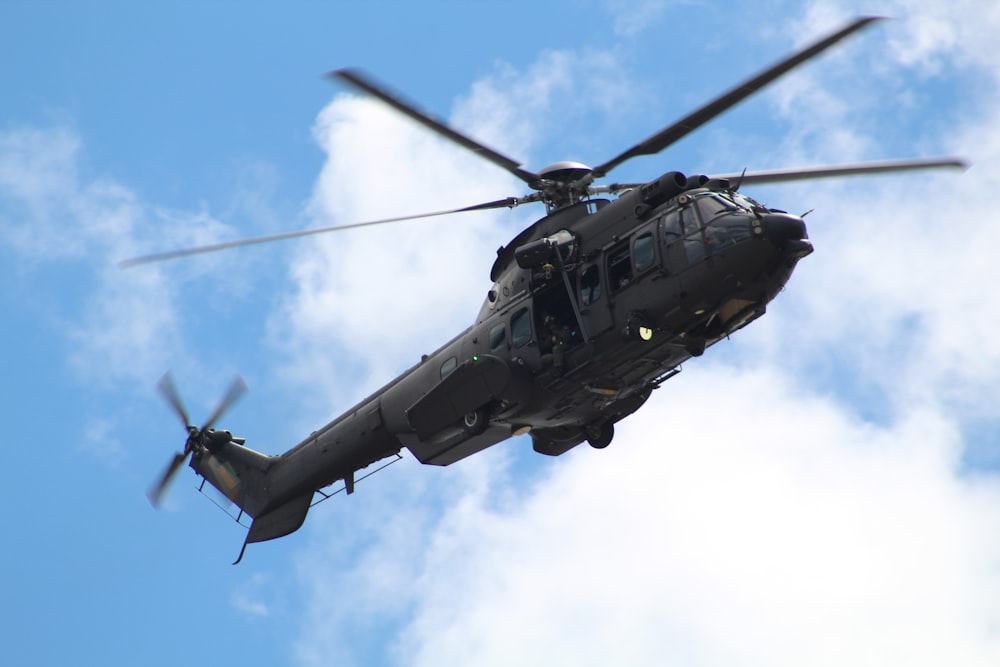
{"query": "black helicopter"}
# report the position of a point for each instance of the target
(592, 308)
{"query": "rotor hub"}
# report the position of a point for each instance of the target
(564, 183)
(565, 171)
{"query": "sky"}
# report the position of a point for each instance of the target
(822, 489)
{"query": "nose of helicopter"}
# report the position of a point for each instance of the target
(788, 232)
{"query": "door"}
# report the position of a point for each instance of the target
(593, 300)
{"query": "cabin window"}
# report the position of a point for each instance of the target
(644, 253)
(590, 285)
(448, 367)
(498, 337)
(520, 328)
(619, 267)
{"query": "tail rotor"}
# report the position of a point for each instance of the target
(199, 440)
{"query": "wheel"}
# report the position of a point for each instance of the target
(601, 436)
(475, 422)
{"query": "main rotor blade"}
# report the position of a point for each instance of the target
(156, 493)
(364, 83)
(805, 173)
(169, 391)
(699, 117)
(236, 389)
(509, 202)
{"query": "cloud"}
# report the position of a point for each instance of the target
(69, 229)
(382, 296)
(892, 289)
(370, 293)
(66, 231)
(248, 601)
(798, 496)
(516, 111)
(632, 18)
(63, 231)
(738, 519)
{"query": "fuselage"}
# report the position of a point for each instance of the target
(592, 307)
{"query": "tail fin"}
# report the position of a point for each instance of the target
(241, 474)
(238, 472)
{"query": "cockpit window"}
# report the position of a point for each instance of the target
(742, 201)
(694, 243)
(671, 227)
(689, 222)
(727, 220)
(713, 205)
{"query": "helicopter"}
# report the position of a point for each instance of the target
(591, 309)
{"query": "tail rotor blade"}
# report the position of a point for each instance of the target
(169, 392)
(156, 493)
(236, 390)
(199, 440)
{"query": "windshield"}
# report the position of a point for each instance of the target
(714, 204)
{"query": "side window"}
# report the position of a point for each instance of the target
(498, 337)
(644, 253)
(520, 328)
(619, 267)
(590, 285)
(448, 367)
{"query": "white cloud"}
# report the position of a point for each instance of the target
(248, 600)
(749, 514)
(715, 530)
(74, 229)
(101, 441)
(898, 286)
(38, 178)
(632, 18)
(382, 294)
(515, 111)
(64, 232)
(736, 519)
(56, 222)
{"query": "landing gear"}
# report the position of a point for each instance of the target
(475, 422)
(601, 435)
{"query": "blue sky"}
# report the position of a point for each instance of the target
(823, 489)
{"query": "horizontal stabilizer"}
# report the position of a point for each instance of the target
(280, 521)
